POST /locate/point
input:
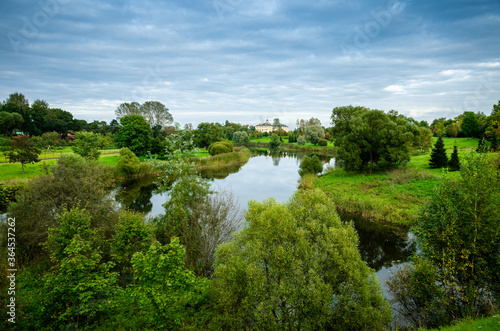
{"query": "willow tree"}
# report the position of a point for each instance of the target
(296, 266)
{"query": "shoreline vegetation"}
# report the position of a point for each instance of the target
(395, 196)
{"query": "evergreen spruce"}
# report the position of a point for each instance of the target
(482, 146)
(438, 155)
(454, 163)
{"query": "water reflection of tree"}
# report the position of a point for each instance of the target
(379, 245)
(136, 194)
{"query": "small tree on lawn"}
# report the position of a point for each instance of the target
(454, 163)
(23, 150)
(275, 141)
(438, 155)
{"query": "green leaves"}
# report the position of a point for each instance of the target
(295, 265)
(310, 165)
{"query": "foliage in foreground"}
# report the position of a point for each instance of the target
(296, 266)
(459, 238)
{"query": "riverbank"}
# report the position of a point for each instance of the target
(394, 196)
(326, 150)
(239, 156)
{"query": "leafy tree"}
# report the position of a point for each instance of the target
(10, 121)
(426, 138)
(208, 133)
(454, 164)
(301, 140)
(73, 182)
(18, 99)
(295, 266)
(314, 133)
(470, 124)
(165, 290)
(87, 145)
(241, 137)
(134, 133)
(79, 285)
(277, 126)
(459, 232)
(124, 109)
(438, 155)
(128, 163)
(275, 141)
(310, 165)
(372, 138)
(23, 151)
(156, 113)
(494, 144)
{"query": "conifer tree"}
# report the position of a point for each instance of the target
(454, 163)
(482, 146)
(438, 155)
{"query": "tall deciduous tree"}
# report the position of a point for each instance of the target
(296, 266)
(314, 133)
(23, 150)
(132, 108)
(10, 121)
(134, 133)
(156, 113)
(372, 138)
(438, 155)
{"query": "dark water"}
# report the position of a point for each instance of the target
(275, 175)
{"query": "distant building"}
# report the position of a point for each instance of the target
(268, 127)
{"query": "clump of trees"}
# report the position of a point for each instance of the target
(295, 265)
(455, 272)
(372, 139)
(135, 134)
(310, 165)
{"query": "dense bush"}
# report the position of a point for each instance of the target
(295, 266)
(310, 165)
(323, 142)
(218, 148)
(128, 163)
(228, 144)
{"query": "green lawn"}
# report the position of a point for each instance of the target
(483, 324)
(13, 171)
(395, 196)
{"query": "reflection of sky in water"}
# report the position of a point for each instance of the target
(265, 176)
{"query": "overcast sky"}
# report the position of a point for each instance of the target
(249, 60)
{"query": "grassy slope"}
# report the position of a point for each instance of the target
(483, 324)
(395, 196)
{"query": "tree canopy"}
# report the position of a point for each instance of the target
(371, 138)
(296, 266)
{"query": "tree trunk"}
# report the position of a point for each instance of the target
(22, 167)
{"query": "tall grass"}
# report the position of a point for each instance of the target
(238, 156)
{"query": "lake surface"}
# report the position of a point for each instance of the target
(276, 175)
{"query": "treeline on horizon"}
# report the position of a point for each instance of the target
(39, 118)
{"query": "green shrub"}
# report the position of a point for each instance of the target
(7, 194)
(218, 148)
(323, 142)
(310, 165)
(228, 144)
(128, 163)
(301, 140)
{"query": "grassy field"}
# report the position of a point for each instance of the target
(483, 324)
(395, 196)
(55, 154)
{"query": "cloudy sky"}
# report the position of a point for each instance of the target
(246, 61)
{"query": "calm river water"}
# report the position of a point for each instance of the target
(276, 175)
